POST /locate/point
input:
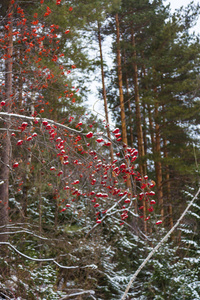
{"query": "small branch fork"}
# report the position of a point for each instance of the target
(164, 239)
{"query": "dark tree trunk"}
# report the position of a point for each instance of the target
(6, 142)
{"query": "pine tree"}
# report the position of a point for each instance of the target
(167, 62)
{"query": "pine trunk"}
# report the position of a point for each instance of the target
(137, 108)
(142, 164)
(120, 83)
(121, 96)
(167, 178)
(158, 165)
(104, 93)
(129, 106)
(144, 112)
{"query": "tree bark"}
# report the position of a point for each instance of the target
(137, 107)
(129, 105)
(158, 164)
(167, 177)
(104, 93)
(156, 149)
(120, 83)
(6, 141)
(26, 176)
(121, 96)
(141, 153)
(144, 112)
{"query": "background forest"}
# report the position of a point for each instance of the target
(84, 200)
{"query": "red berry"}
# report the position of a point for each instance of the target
(19, 142)
(89, 134)
(158, 222)
(15, 165)
(116, 130)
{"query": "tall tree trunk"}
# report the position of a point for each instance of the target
(104, 92)
(26, 176)
(120, 83)
(167, 178)
(151, 128)
(129, 105)
(157, 154)
(158, 164)
(20, 80)
(142, 164)
(137, 107)
(121, 96)
(6, 142)
(144, 112)
(155, 141)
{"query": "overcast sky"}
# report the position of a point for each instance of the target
(178, 3)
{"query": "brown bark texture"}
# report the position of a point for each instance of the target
(121, 96)
(6, 142)
(137, 108)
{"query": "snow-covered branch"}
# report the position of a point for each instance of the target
(108, 213)
(24, 231)
(27, 118)
(164, 239)
(90, 292)
(47, 259)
